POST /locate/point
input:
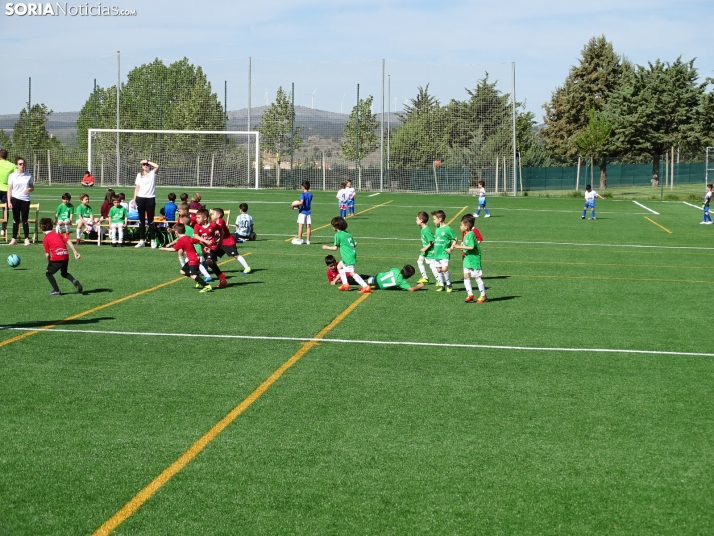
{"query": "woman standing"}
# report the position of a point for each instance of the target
(145, 199)
(19, 185)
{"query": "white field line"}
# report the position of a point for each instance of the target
(374, 194)
(644, 207)
(695, 206)
(576, 244)
(498, 209)
(378, 343)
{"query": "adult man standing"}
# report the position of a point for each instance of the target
(5, 169)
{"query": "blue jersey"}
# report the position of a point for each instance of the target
(306, 198)
(170, 211)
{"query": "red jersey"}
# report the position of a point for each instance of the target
(209, 232)
(56, 245)
(332, 275)
(228, 239)
(186, 244)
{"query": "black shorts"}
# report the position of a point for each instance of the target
(213, 255)
(55, 266)
(190, 269)
(231, 251)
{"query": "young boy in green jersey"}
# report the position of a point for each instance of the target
(444, 239)
(346, 244)
(472, 259)
(85, 217)
(426, 253)
(63, 215)
(395, 279)
(118, 217)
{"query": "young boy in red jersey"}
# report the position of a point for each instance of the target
(184, 246)
(211, 233)
(228, 243)
(56, 252)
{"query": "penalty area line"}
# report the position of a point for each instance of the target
(381, 343)
(644, 207)
(693, 206)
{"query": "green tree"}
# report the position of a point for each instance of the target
(593, 140)
(421, 138)
(530, 146)
(659, 107)
(278, 134)
(362, 130)
(38, 139)
(6, 143)
(157, 97)
(589, 85)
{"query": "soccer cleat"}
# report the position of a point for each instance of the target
(27, 241)
(439, 288)
(593, 218)
(423, 280)
(198, 285)
(709, 222)
(449, 288)
(154, 244)
(365, 290)
(78, 286)
(344, 287)
(208, 279)
(475, 215)
(55, 293)
(140, 244)
(582, 217)
(307, 242)
(222, 283)
(487, 216)
(12, 242)
(469, 298)
(247, 271)
(207, 288)
(297, 241)
(702, 223)
(481, 299)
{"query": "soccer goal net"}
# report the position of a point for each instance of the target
(196, 158)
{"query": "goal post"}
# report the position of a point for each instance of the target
(201, 158)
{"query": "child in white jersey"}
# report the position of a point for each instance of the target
(481, 200)
(590, 196)
(350, 198)
(705, 207)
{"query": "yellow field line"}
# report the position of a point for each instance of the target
(140, 498)
(356, 214)
(97, 308)
(457, 215)
(658, 225)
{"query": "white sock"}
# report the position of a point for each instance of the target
(447, 276)
(469, 288)
(434, 271)
(79, 233)
(59, 228)
(481, 286)
(183, 260)
(359, 280)
(204, 271)
(121, 234)
(343, 277)
(113, 234)
(422, 270)
(241, 260)
(440, 278)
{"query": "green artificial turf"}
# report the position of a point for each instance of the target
(362, 438)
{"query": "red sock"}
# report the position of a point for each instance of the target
(222, 277)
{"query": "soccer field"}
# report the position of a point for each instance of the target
(577, 400)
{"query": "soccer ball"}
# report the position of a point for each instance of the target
(371, 282)
(13, 261)
(295, 205)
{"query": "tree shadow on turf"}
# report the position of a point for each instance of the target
(42, 323)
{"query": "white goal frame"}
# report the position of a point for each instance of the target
(141, 131)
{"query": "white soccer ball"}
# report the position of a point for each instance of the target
(295, 205)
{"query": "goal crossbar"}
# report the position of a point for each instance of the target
(142, 131)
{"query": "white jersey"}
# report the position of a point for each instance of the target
(590, 196)
(244, 223)
(707, 198)
(350, 193)
(482, 195)
(342, 195)
(147, 184)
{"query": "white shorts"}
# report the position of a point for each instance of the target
(349, 269)
(429, 262)
(443, 263)
(305, 219)
(473, 273)
(117, 225)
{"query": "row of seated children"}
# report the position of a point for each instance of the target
(435, 253)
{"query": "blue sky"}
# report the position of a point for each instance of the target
(330, 46)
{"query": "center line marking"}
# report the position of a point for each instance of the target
(644, 207)
(658, 225)
(145, 494)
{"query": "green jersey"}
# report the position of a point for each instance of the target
(197, 247)
(472, 257)
(391, 280)
(118, 214)
(64, 212)
(443, 237)
(346, 244)
(427, 238)
(84, 212)
(5, 169)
